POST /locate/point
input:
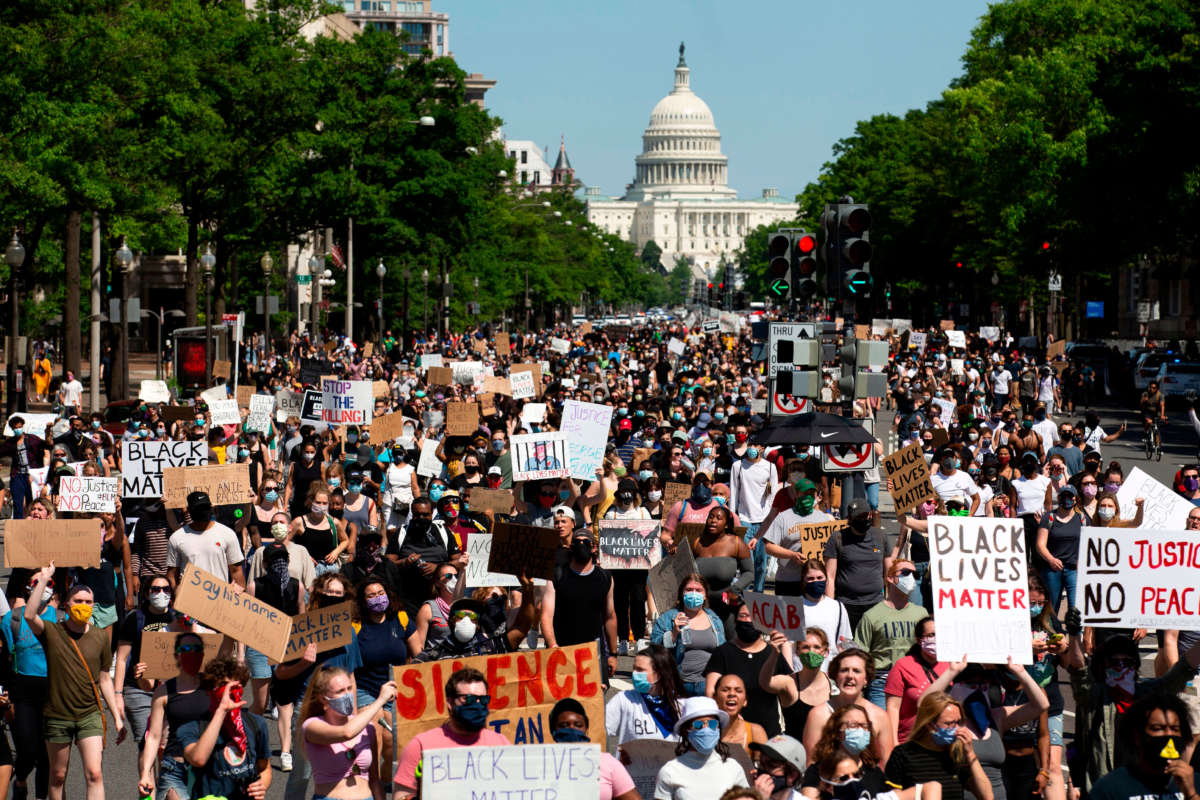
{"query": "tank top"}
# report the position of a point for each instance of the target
(259, 527)
(990, 752)
(319, 542)
(286, 599)
(579, 605)
(182, 708)
(362, 517)
(303, 475)
(439, 625)
(795, 717)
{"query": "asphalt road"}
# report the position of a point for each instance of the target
(120, 762)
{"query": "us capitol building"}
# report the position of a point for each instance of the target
(680, 198)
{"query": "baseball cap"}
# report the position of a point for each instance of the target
(784, 748)
(857, 507)
(625, 425)
(494, 470)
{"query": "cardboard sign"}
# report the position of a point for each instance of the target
(524, 686)
(1056, 349)
(586, 426)
(1163, 509)
(503, 347)
(629, 544)
(243, 394)
(522, 386)
(772, 613)
(498, 501)
(142, 464)
(224, 412)
(327, 628)
(158, 652)
(346, 402)
(214, 395)
(524, 548)
(462, 419)
(154, 392)
(956, 339)
(675, 346)
(646, 757)
(560, 345)
(331, 346)
(311, 370)
(493, 384)
(439, 376)
(221, 369)
(34, 543)
(380, 390)
(428, 465)
(387, 428)
(535, 369)
(173, 414)
(980, 589)
(429, 360)
(560, 771)
(226, 484)
(479, 548)
(288, 404)
(665, 576)
(1142, 581)
(536, 456)
(368, 349)
(641, 454)
(901, 325)
(213, 602)
(673, 492)
(909, 476)
(946, 324)
(259, 418)
(487, 405)
(813, 536)
(86, 494)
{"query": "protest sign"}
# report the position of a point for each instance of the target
(158, 652)
(918, 340)
(224, 412)
(380, 390)
(311, 370)
(863, 331)
(533, 369)
(772, 613)
(479, 346)
(524, 686)
(86, 494)
(368, 349)
(664, 578)
(487, 404)
(479, 548)
(523, 548)
(331, 346)
(980, 589)
(220, 369)
(327, 628)
(466, 371)
(226, 484)
(675, 346)
(813, 536)
(539, 455)
(34, 543)
(560, 345)
(673, 492)
(226, 608)
(641, 454)
(586, 426)
(957, 367)
(880, 327)
(559, 771)
(956, 339)
(901, 325)
(142, 464)
(494, 384)
(214, 395)
(311, 410)
(1056, 349)
(429, 360)
(989, 332)
(439, 376)
(946, 409)
(533, 414)
(498, 501)
(909, 477)
(1142, 581)
(629, 544)
(647, 756)
(243, 395)
(428, 465)
(387, 428)
(503, 347)
(346, 402)
(259, 418)
(711, 326)
(288, 404)
(462, 419)
(946, 325)
(154, 392)
(521, 385)
(173, 414)
(1163, 509)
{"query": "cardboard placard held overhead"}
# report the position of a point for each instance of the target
(495, 384)
(244, 393)
(536, 369)
(154, 392)
(327, 628)
(34, 543)
(479, 548)
(536, 456)
(521, 386)
(226, 484)
(909, 477)
(88, 494)
(772, 613)
(629, 544)
(1056, 349)
(665, 576)
(173, 414)
(259, 418)
(380, 389)
(220, 369)
(387, 428)
(946, 324)
(487, 404)
(479, 346)
(673, 492)
(439, 376)
(862, 331)
(368, 349)
(586, 426)
(224, 412)
(462, 419)
(429, 360)
(503, 347)
(498, 501)
(216, 604)
(158, 652)
(523, 548)
(346, 402)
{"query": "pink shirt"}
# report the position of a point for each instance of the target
(693, 514)
(614, 778)
(907, 680)
(410, 756)
(332, 762)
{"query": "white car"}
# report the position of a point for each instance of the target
(1147, 368)
(1177, 378)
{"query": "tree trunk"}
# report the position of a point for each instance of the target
(220, 275)
(192, 276)
(71, 330)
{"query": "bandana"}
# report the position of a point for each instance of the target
(278, 568)
(232, 726)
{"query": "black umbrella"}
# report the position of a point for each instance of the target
(817, 428)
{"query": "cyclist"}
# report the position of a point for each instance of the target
(1154, 405)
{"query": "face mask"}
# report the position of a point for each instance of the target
(95, 424)
(199, 420)
(746, 631)
(243, 452)
(693, 600)
(860, 524)
(435, 493)
(677, 416)
(752, 453)
(740, 437)
(701, 495)
(1066, 501)
(278, 530)
(704, 740)
(929, 647)
(906, 583)
(1112, 488)
(47, 593)
(271, 495)
(814, 588)
(856, 740)
(1003, 458)
(944, 737)
(1089, 491)
(335, 483)
(729, 438)
(1123, 679)
(81, 613)
(811, 659)
(972, 436)
(161, 431)
(451, 583)
(309, 456)
(191, 662)
(1035, 609)
(355, 488)
(581, 551)
(471, 715)
(143, 433)
(378, 604)
(341, 704)
(464, 629)
(1076, 440)
(159, 602)
(569, 735)
(654, 495)
(1157, 750)
(641, 683)
(645, 474)
(804, 504)
(351, 437)
(707, 451)
(1191, 484)
(1105, 513)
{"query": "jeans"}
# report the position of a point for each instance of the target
(22, 493)
(28, 693)
(872, 490)
(173, 774)
(760, 556)
(1056, 582)
(875, 689)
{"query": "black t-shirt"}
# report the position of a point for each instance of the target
(761, 707)
(872, 784)
(579, 605)
(912, 763)
(859, 566)
(128, 632)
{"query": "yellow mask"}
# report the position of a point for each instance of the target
(81, 613)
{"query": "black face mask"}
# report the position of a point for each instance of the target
(746, 631)
(200, 514)
(860, 524)
(624, 498)
(337, 513)
(471, 469)
(581, 551)
(1152, 751)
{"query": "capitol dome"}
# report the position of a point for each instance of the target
(681, 147)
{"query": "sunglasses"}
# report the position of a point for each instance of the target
(190, 648)
(471, 615)
(701, 724)
(159, 590)
(904, 573)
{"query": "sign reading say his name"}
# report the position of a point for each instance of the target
(1139, 581)
(524, 686)
(142, 464)
(772, 613)
(523, 548)
(223, 607)
(980, 589)
(629, 543)
(346, 402)
(909, 477)
(586, 426)
(87, 494)
(158, 652)
(559, 771)
(34, 543)
(226, 484)
(327, 628)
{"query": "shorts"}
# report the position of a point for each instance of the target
(260, 668)
(173, 774)
(65, 731)
(103, 616)
(137, 711)
(366, 698)
(1055, 724)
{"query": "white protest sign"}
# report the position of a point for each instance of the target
(958, 365)
(560, 345)
(142, 464)
(783, 614)
(989, 332)
(346, 402)
(945, 410)
(522, 385)
(586, 425)
(955, 339)
(899, 326)
(428, 464)
(479, 548)
(214, 395)
(675, 346)
(1142, 581)
(87, 494)
(543, 771)
(224, 412)
(431, 360)
(917, 339)
(533, 414)
(154, 392)
(288, 404)
(980, 589)
(539, 455)
(1164, 509)
(259, 418)
(466, 371)
(879, 327)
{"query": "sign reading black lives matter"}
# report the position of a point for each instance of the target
(629, 544)
(142, 464)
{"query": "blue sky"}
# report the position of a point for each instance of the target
(592, 72)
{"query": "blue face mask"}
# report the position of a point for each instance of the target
(693, 600)
(729, 438)
(645, 474)
(641, 683)
(243, 453)
(639, 413)
(856, 740)
(355, 487)
(351, 437)
(622, 411)
(751, 453)
(1035, 609)
(335, 482)
(701, 495)
(471, 714)
(677, 416)
(569, 735)
(498, 446)
(719, 415)
(271, 496)
(435, 493)
(704, 740)
(944, 737)
(564, 494)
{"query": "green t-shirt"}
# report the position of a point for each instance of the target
(70, 695)
(887, 633)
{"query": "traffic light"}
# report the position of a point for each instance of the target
(862, 363)
(804, 264)
(830, 253)
(854, 246)
(779, 264)
(711, 296)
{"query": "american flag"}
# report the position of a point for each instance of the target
(335, 253)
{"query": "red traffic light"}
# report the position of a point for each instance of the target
(721, 286)
(710, 285)
(1045, 245)
(958, 264)
(806, 243)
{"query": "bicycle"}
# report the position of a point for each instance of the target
(1152, 442)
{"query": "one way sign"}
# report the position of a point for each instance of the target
(792, 344)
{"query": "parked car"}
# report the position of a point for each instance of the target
(1147, 368)
(1176, 379)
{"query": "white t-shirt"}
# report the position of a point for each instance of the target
(72, 392)
(830, 616)
(958, 486)
(985, 496)
(1031, 493)
(399, 484)
(752, 486)
(634, 512)
(693, 776)
(786, 531)
(214, 550)
(1093, 437)
(1000, 380)
(626, 718)
(1049, 433)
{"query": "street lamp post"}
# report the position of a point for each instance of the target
(315, 263)
(425, 308)
(266, 262)
(161, 317)
(14, 256)
(125, 262)
(207, 262)
(380, 270)
(404, 336)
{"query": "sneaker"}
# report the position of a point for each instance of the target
(623, 649)
(285, 762)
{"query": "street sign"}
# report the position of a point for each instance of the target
(1055, 282)
(785, 405)
(779, 287)
(786, 345)
(848, 458)
(302, 280)
(1143, 311)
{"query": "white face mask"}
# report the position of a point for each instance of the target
(279, 530)
(1105, 513)
(452, 583)
(159, 602)
(464, 630)
(906, 583)
(654, 495)
(47, 593)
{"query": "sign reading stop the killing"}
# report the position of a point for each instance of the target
(1147, 580)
